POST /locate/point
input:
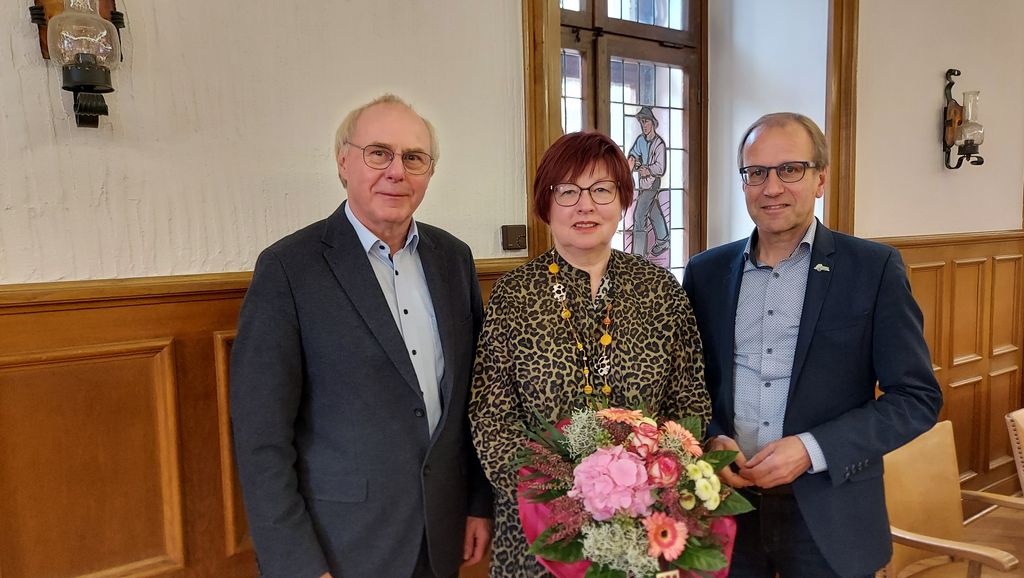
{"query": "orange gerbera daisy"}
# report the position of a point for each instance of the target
(627, 416)
(665, 536)
(686, 439)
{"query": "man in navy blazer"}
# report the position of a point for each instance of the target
(350, 373)
(798, 324)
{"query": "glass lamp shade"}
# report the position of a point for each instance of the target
(80, 37)
(970, 129)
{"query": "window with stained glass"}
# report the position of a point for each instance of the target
(640, 92)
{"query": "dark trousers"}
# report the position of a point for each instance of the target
(774, 539)
(423, 569)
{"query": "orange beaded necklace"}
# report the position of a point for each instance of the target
(603, 367)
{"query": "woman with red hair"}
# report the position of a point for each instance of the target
(580, 323)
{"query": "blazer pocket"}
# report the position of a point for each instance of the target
(349, 489)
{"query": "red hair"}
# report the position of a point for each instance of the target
(571, 155)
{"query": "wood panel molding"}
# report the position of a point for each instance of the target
(92, 485)
(542, 60)
(1007, 287)
(236, 530)
(841, 113)
(968, 310)
(928, 280)
(951, 239)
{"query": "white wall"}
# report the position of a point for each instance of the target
(762, 57)
(904, 50)
(222, 123)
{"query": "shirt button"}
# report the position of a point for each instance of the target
(767, 384)
(770, 312)
(426, 470)
(765, 423)
(769, 350)
(414, 352)
(382, 248)
(406, 311)
(396, 273)
(418, 412)
(776, 275)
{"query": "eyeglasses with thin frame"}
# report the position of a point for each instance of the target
(569, 194)
(790, 172)
(380, 157)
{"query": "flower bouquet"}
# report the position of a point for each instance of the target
(615, 493)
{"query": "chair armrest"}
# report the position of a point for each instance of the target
(991, 557)
(994, 499)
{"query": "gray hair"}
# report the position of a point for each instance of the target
(779, 119)
(348, 125)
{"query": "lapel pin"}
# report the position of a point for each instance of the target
(819, 268)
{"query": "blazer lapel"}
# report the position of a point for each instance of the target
(352, 269)
(818, 280)
(435, 269)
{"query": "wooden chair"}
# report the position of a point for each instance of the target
(923, 496)
(1015, 423)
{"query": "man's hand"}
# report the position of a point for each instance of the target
(645, 172)
(326, 575)
(478, 536)
(778, 463)
(728, 476)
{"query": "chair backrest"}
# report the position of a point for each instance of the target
(922, 491)
(1015, 423)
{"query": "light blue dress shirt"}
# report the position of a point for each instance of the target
(767, 325)
(404, 284)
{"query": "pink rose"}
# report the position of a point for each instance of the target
(644, 439)
(663, 470)
(612, 480)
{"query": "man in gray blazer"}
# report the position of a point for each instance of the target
(350, 373)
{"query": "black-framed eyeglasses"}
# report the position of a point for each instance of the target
(569, 194)
(380, 157)
(790, 172)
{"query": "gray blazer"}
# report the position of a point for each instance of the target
(338, 470)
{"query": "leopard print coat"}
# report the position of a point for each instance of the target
(527, 362)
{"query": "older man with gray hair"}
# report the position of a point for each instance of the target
(350, 376)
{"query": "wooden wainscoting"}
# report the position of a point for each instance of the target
(115, 439)
(971, 290)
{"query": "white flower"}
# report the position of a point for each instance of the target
(693, 472)
(703, 489)
(620, 547)
(712, 502)
(716, 484)
(687, 500)
(705, 468)
(581, 433)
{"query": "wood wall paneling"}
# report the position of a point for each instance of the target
(110, 461)
(927, 281)
(971, 292)
(89, 461)
(115, 433)
(236, 530)
(1007, 289)
(968, 306)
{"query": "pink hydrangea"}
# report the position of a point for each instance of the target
(612, 480)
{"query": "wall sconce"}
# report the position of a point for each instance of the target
(85, 45)
(961, 126)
